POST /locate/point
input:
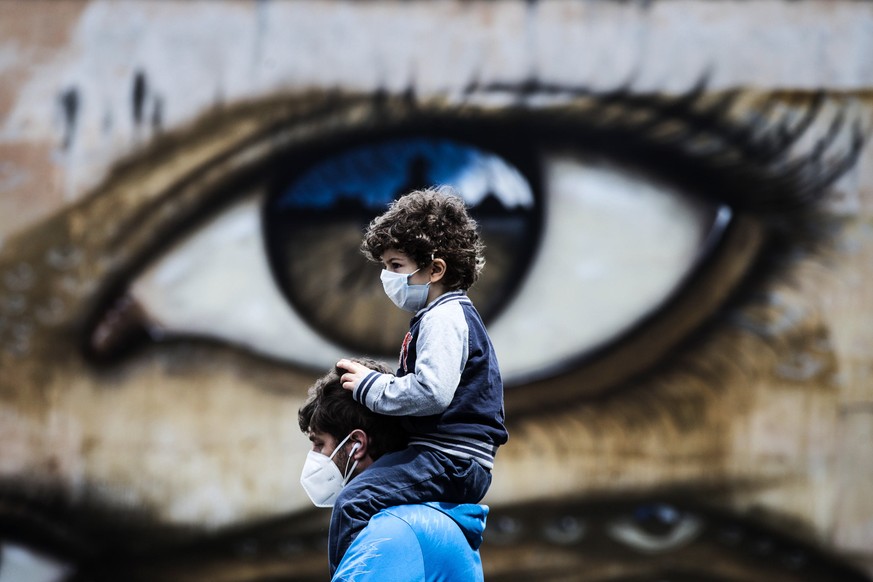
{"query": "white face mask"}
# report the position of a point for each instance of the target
(404, 295)
(322, 479)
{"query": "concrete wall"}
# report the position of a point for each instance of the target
(681, 305)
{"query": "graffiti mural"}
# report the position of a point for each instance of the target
(675, 197)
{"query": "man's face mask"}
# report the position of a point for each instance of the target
(322, 479)
(404, 295)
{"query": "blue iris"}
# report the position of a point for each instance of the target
(372, 176)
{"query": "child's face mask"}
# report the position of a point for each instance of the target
(322, 479)
(404, 295)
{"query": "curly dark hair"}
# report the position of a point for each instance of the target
(430, 224)
(330, 408)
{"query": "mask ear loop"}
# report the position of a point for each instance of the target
(348, 473)
(340, 446)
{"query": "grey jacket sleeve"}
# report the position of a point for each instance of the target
(442, 349)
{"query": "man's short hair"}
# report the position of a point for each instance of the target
(330, 408)
(428, 224)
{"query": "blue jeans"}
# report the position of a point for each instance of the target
(413, 475)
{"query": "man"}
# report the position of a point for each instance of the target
(431, 541)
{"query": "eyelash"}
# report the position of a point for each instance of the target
(660, 136)
(752, 165)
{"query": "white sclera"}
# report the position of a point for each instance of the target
(614, 248)
(217, 283)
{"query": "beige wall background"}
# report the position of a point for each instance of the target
(732, 441)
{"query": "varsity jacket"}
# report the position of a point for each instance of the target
(448, 384)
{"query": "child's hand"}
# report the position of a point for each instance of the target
(355, 372)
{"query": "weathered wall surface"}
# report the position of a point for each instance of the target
(678, 279)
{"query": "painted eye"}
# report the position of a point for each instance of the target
(568, 269)
(18, 563)
(655, 528)
(612, 228)
(565, 530)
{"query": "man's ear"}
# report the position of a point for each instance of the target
(437, 270)
(363, 441)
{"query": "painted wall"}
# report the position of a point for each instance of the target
(676, 197)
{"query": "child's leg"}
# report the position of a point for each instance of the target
(412, 475)
(472, 481)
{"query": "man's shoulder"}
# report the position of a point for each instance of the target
(406, 540)
(437, 524)
(463, 515)
(386, 550)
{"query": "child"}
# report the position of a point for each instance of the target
(448, 385)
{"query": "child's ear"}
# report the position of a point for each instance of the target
(437, 270)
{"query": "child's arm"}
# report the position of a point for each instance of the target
(442, 351)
